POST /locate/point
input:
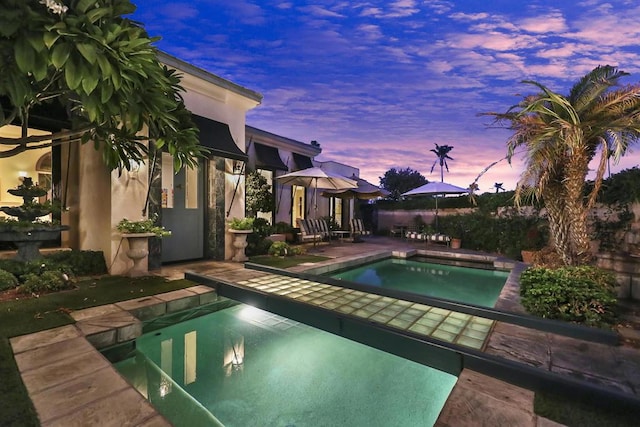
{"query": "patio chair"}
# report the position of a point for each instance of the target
(357, 228)
(307, 232)
(321, 228)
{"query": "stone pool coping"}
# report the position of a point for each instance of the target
(72, 384)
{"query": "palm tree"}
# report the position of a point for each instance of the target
(498, 186)
(442, 151)
(561, 135)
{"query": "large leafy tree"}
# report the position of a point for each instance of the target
(398, 181)
(560, 136)
(442, 152)
(102, 68)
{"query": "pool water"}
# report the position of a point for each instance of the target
(462, 284)
(246, 367)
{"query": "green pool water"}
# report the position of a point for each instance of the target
(462, 284)
(245, 367)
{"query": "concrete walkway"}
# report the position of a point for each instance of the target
(71, 383)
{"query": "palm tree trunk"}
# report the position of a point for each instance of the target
(559, 223)
(576, 208)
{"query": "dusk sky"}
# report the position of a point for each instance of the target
(379, 83)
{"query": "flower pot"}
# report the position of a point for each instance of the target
(240, 243)
(456, 243)
(138, 251)
(527, 256)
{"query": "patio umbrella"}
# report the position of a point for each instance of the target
(364, 191)
(317, 178)
(435, 189)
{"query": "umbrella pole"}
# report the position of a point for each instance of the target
(437, 229)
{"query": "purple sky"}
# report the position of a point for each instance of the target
(378, 83)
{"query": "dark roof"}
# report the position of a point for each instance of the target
(217, 137)
(268, 158)
(302, 162)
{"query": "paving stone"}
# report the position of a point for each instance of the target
(62, 371)
(467, 407)
(72, 395)
(43, 338)
(136, 304)
(157, 421)
(42, 356)
(129, 332)
(122, 409)
(106, 322)
(99, 311)
(103, 339)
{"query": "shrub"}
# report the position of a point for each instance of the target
(577, 294)
(7, 280)
(47, 281)
(81, 263)
(280, 249)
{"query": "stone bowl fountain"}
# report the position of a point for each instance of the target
(27, 233)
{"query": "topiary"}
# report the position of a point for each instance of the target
(581, 294)
(7, 280)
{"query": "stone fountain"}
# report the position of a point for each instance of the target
(27, 233)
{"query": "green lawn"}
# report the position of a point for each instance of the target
(25, 316)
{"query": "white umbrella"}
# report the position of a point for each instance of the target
(436, 188)
(317, 178)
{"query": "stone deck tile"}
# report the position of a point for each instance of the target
(113, 320)
(98, 311)
(43, 338)
(479, 400)
(43, 356)
(73, 395)
(120, 409)
(56, 373)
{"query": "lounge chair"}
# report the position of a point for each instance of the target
(357, 229)
(321, 228)
(307, 231)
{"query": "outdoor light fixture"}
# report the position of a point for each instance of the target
(22, 175)
(134, 165)
(238, 167)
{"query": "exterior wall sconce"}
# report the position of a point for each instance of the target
(134, 165)
(22, 175)
(238, 167)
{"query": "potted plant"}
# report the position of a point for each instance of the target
(286, 229)
(240, 228)
(532, 243)
(137, 234)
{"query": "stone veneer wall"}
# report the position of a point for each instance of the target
(155, 208)
(215, 209)
(627, 271)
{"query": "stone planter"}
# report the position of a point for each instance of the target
(240, 243)
(29, 242)
(138, 251)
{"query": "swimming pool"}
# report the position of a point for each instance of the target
(462, 284)
(246, 367)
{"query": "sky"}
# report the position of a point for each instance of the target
(379, 82)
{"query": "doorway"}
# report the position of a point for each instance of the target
(182, 212)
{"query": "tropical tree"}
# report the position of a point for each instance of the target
(259, 197)
(101, 69)
(498, 186)
(561, 135)
(442, 151)
(398, 181)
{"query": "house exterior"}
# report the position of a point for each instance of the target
(193, 204)
(274, 155)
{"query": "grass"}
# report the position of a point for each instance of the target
(19, 317)
(572, 412)
(286, 262)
